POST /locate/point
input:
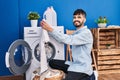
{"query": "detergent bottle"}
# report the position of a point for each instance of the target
(50, 16)
(54, 17)
(47, 16)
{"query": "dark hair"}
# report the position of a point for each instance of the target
(80, 11)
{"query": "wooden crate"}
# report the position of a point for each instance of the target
(104, 36)
(108, 61)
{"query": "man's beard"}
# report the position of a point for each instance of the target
(78, 25)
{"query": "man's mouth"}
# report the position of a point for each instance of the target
(76, 21)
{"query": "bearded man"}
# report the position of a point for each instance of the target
(82, 41)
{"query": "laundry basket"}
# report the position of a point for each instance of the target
(55, 77)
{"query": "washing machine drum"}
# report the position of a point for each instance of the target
(49, 49)
(18, 58)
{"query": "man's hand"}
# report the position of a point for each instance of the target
(46, 26)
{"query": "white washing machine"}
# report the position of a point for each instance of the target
(30, 54)
(53, 48)
(32, 37)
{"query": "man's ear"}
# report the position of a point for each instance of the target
(84, 20)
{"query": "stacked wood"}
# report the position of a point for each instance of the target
(106, 36)
(109, 61)
(107, 43)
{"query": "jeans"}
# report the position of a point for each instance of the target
(79, 76)
(92, 77)
(60, 65)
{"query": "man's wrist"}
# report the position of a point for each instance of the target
(50, 29)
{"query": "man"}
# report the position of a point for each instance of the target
(81, 41)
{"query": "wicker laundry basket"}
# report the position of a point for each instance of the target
(36, 77)
(56, 77)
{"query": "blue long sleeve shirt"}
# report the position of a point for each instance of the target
(81, 41)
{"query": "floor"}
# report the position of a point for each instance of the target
(114, 76)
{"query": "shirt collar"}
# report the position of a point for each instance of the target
(81, 28)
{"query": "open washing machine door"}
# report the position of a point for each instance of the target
(19, 56)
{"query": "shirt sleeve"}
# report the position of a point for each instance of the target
(81, 38)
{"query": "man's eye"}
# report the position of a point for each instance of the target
(74, 17)
(79, 17)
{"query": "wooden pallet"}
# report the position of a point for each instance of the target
(108, 61)
(107, 58)
(104, 36)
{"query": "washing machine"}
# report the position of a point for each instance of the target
(53, 49)
(30, 55)
(32, 37)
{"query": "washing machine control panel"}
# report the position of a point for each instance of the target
(31, 31)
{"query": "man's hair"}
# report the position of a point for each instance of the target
(80, 11)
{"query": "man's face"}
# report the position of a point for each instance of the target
(78, 20)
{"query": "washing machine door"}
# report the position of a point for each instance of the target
(18, 58)
(49, 49)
